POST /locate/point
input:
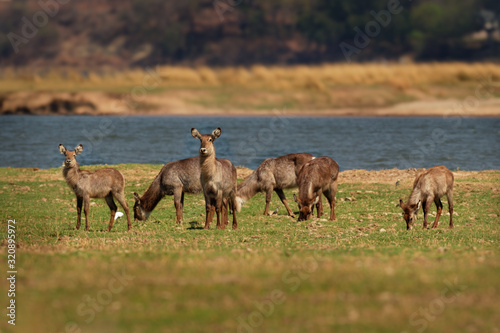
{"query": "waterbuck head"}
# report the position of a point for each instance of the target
(70, 160)
(409, 213)
(305, 207)
(207, 141)
(139, 213)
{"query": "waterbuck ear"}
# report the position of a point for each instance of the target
(216, 133)
(419, 204)
(137, 197)
(316, 200)
(62, 149)
(78, 149)
(195, 133)
(400, 203)
(297, 200)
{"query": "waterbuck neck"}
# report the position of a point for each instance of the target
(71, 174)
(208, 166)
(415, 196)
(152, 196)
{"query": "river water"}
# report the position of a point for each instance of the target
(355, 143)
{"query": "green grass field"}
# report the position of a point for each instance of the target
(273, 274)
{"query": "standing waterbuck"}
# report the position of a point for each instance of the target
(218, 180)
(429, 187)
(274, 174)
(175, 178)
(103, 183)
(317, 176)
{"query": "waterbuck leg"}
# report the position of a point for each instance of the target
(450, 206)
(269, 194)
(123, 202)
(210, 210)
(178, 196)
(233, 204)
(112, 208)
(319, 205)
(426, 207)
(86, 205)
(79, 203)
(282, 197)
(330, 197)
(218, 209)
(225, 211)
(439, 206)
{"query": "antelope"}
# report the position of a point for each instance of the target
(274, 174)
(175, 178)
(317, 176)
(429, 186)
(218, 180)
(103, 183)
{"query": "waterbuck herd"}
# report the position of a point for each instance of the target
(216, 178)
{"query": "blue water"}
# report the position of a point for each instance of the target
(355, 143)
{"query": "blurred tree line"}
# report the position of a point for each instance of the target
(241, 32)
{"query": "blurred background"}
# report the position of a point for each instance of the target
(122, 34)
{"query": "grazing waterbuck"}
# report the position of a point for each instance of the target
(274, 174)
(218, 180)
(429, 187)
(317, 176)
(175, 178)
(103, 183)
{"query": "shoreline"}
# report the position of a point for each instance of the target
(104, 104)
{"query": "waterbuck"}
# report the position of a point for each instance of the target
(274, 174)
(103, 183)
(175, 178)
(218, 180)
(317, 176)
(429, 187)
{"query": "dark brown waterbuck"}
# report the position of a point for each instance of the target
(317, 176)
(103, 183)
(274, 174)
(429, 187)
(218, 180)
(175, 178)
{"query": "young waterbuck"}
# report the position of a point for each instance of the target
(429, 187)
(218, 180)
(175, 178)
(103, 183)
(317, 176)
(274, 174)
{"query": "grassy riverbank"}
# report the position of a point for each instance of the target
(361, 273)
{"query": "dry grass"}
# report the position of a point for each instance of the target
(316, 78)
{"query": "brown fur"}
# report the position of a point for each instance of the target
(429, 187)
(175, 178)
(103, 183)
(317, 176)
(218, 180)
(274, 174)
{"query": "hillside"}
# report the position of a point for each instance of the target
(122, 34)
